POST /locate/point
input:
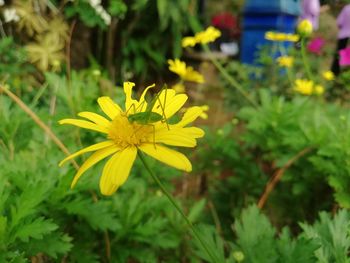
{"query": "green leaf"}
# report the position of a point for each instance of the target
(255, 236)
(53, 245)
(36, 229)
(196, 209)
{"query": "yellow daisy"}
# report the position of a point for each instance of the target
(328, 75)
(318, 90)
(189, 42)
(285, 61)
(208, 35)
(278, 36)
(179, 88)
(307, 87)
(203, 37)
(304, 86)
(186, 73)
(125, 136)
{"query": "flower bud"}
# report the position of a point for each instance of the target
(304, 28)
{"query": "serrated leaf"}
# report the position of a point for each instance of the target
(36, 229)
(53, 245)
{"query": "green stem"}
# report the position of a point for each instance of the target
(305, 60)
(196, 26)
(228, 77)
(177, 207)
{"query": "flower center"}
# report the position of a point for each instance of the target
(125, 133)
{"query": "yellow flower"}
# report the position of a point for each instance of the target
(186, 73)
(277, 36)
(189, 42)
(179, 88)
(209, 35)
(328, 75)
(125, 137)
(304, 28)
(204, 37)
(318, 89)
(307, 87)
(304, 86)
(285, 61)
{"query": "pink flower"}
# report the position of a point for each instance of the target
(315, 45)
(344, 57)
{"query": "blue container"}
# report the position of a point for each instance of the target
(261, 16)
(291, 7)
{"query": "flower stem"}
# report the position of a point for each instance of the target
(228, 77)
(177, 207)
(305, 60)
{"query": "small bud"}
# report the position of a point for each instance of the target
(238, 256)
(235, 121)
(96, 73)
(304, 28)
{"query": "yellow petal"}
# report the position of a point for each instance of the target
(109, 107)
(117, 170)
(169, 102)
(167, 156)
(91, 148)
(194, 132)
(130, 103)
(84, 124)
(190, 115)
(96, 118)
(174, 137)
(92, 160)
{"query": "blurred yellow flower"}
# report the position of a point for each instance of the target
(179, 88)
(125, 136)
(328, 75)
(277, 36)
(186, 73)
(307, 87)
(304, 86)
(189, 42)
(285, 61)
(304, 27)
(318, 89)
(204, 37)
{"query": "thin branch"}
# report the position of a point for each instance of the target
(278, 175)
(39, 122)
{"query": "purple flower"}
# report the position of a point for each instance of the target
(344, 57)
(315, 45)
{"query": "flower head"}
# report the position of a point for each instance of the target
(285, 61)
(318, 89)
(328, 75)
(204, 37)
(344, 57)
(179, 88)
(304, 28)
(126, 133)
(186, 73)
(278, 36)
(307, 87)
(315, 45)
(10, 14)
